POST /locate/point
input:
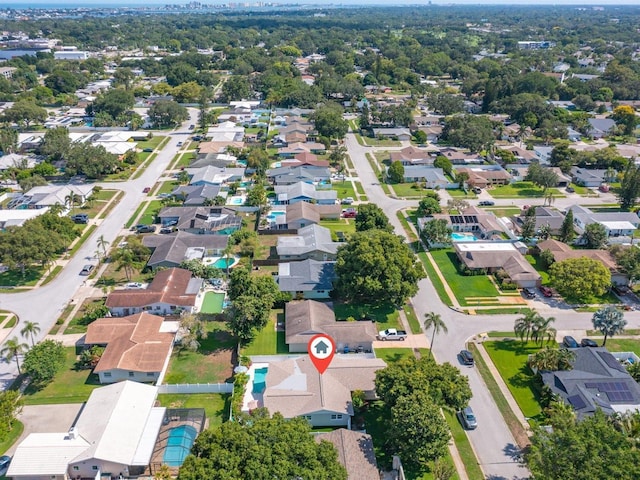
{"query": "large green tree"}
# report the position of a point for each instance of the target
(396, 172)
(113, 102)
(542, 177)
(629, 190)
(595, 236)
(580, 278)
(436, 232)
(11, 403)
(25, 113)
(44, 361)
(167, 113)
(469, 131)
(256, 447)
(377, 267)
(329, 122)
(89, 160)
(371, 217)
(56, 143)
(567, 233)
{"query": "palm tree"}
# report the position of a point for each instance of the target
(542, 328)
(551, 359)
(226, 254)
(524, 325)
(31, 329)
(434, 320)
(126, 260)
(629, 424)
(610, 321)
(12, 349)
(102, 243)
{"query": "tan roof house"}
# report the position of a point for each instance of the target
(296, 389)
(305, 319)
(302, 214)
(138, 347)
(172, 291)
(412, 156)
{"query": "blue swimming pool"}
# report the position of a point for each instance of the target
(274, 214)
(223, 263)
(463, 237)
(179, 444)
(259, 380)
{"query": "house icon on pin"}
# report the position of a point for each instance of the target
(321, 348)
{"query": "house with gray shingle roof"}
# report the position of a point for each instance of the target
(171, 250)
(306, 279)
(313, 242)
(596, 381)
(304, 192)
(196, 195)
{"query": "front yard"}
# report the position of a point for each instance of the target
(409, 190)
(522, 189)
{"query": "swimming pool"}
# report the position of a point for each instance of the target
(179, 444)
(463, 237)
(275, 213)
(223, 263)
(259, 380)
(235, 200)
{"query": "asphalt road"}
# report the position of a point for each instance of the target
(45, 304)
(492, 441)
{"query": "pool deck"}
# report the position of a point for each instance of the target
(252, 400)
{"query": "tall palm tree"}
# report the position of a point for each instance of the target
(103, 244)
(610, 321)
(30, 329)
(524, 325)
(12, 349)
(226, 254)
(542, 328)
(434, 320)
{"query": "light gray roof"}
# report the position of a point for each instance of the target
(302, 189)
(214, 175)
(586, 216)
(309, 239)
(431, 174)
(173, 248)
(306, 275)
(196, 194)
(204, 218)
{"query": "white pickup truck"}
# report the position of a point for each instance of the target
(392, 334)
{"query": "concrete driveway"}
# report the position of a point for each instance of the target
(46, 419)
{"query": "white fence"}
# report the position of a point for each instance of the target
(196, 388)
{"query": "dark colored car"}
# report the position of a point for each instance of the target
(546, 291)
(148, 150)
(146, 228)
(466, 357)
(165, 230)
(468, 418)
(146, 189)
(5, 460)
(620, 289)
(80, 218)
(570, 189)
(486, 203)
(570, 342)
(527, 292)
(587, 342)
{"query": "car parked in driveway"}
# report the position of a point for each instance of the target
(5, 461)
(587, 342)
(620, 289)
(80, 218)
(546, 291)
(146, 228)
(569, 342)
(527, 292)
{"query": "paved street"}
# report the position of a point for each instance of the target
(45, 304)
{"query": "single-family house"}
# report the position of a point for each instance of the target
(16, 218)
(295, 388)
(214, 176)
(307, 278)
(591, 178)
(226, 132)
(50, 195)
(600, 127)
(483, 224)
(401, 133)
(219, 160)
(355, 452)
(302, 214)
(197, 195)
(494, 256)
(562, 251)
(484, 176)
(311, 242)
(545, 216)
(307, 318)
(434, 132)
(596, 381)
(16, 160)
(293, 149)
(113, 437)
(171, 292)
(205, 148)
(201, 220)
(137, 347)
(432, 177)
(412, 156)
(304, 192)
(294, 174)
(171, 250)
(617, 224)
(458, 156)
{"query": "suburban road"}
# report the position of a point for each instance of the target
(45, 304)
(492, 441)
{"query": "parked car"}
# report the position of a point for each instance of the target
(148, 150)
(570, 189)
(486, 203)
(146, 228)
(191, 127)
(80, 218)
(347, 201)
(527, 292)
(349, 214)
(587, 342)
(467, 357)
(546, 291)
(392, 334)
(165, 230)
(477, 190)
(179, 144)
(87, 269)
(146, 189)
(569, 342)
(134, 285)
(620, 289)
(468, 418)
(5, 461)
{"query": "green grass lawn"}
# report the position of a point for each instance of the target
(463, 286)
(408, 190)
(385, 142)
(464, 446)
(510, 358)
(412, 318)
(344, 189)
(135, 215)
(385, 316)
(347, 226)
(622, 344)
(504, 211)
(69, 385)
(359, 188)
(216, 405)
(14, 278)
(149, 215)
(153, 142)
(203, 365)
(521, 189)
(435, 280)
(538, 265)
(12, 437)
(580, 190)
(405, 224)
(167, 187)
(87, 233)
(269, 341)
(212, 302)
(457, 193)
(392, 355)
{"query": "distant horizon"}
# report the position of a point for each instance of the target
(347, 3)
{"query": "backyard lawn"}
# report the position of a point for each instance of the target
(211, 363)
(344, 189)
(269, 341)
(521, 189)
(392, 355)
(385, 316)
(347, 226)
(216, 405)
(510, 358)
(149, 215)
(457, 193)
(621, 345)
(69, 385)
(463, 286)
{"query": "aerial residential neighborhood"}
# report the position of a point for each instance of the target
(192, 194)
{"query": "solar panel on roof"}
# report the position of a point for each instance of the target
(611, 361)
(577, 402)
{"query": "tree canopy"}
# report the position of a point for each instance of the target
(43, 361)
(580, 278)
(377, 267)
(257, 446)
(371, 217)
